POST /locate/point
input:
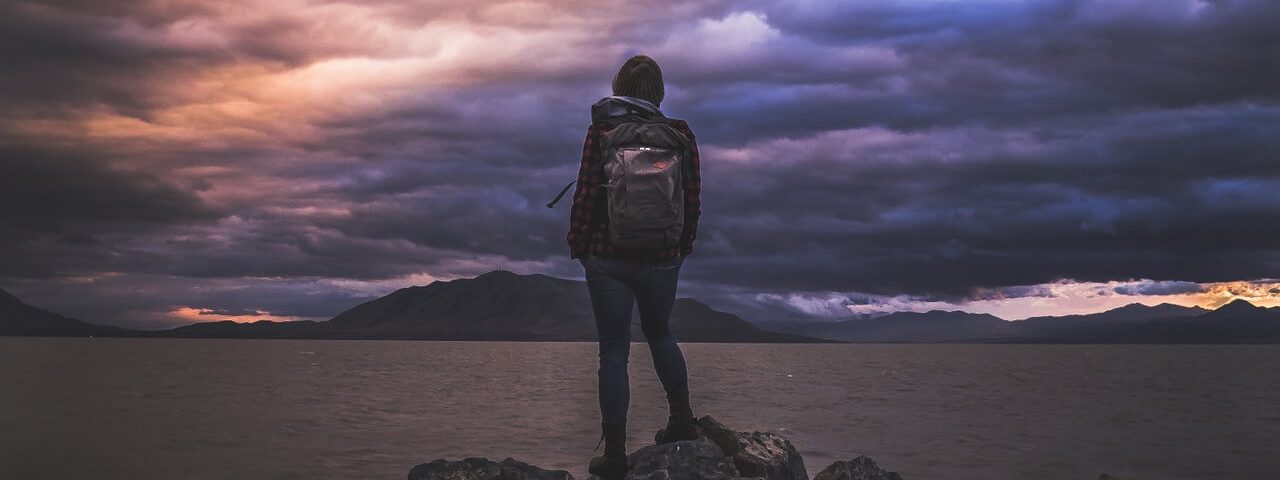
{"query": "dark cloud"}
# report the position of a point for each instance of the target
(62, 212)
(231, 313)
(50, 190)
(976, 63)
(947, 214)
(1159, 288)
(289, 159)
(65, 57)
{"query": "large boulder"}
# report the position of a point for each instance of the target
(684, 460)
(484, 469)
(861, 468)
(765, 455)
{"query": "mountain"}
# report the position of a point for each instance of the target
(502, 305)
(1131, 323)
(1236, 322)
(1237, 310)
(1133, 312)
(20, 319)
(498, 305)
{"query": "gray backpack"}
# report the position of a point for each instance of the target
(644, 167)
(645, 162)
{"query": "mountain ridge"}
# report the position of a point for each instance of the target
(506, 306)
(18, 318)
(1236, 322)
(498, 305)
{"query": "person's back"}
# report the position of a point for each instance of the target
(634, 260)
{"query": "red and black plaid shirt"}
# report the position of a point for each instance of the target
(589, 218)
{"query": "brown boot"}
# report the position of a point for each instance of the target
(613, 464)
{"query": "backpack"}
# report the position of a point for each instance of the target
(645, 162)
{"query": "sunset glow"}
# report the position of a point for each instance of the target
(1062, 298)
(198, 315)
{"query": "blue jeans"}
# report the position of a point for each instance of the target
(616, 285)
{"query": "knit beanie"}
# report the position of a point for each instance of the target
(641, 78)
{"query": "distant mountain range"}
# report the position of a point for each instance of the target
(498, 305)
(1235, 322)
(502, 305)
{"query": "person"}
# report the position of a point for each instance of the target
(619, 279)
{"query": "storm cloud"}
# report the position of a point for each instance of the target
(290, 159)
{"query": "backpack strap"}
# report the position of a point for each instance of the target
(562, 192)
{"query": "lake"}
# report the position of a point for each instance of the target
(306, 409)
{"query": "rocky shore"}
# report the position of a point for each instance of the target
(718, 454)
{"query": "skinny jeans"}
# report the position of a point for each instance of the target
(616, 286)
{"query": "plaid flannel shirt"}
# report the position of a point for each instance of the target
(589, 217)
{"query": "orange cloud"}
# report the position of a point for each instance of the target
(1262, 293)
(197, 315)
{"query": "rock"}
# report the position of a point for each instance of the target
(757, 454)
(484, 469)
(861, 468)
(718, 454)
(684, 460)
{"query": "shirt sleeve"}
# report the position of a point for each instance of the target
(585, 196)
(692, 194)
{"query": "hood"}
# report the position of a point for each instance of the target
(617, 106)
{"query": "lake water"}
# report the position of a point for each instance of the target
(282, 409)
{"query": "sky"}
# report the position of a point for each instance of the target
(168, 162)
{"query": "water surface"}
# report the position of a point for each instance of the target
(283, 409)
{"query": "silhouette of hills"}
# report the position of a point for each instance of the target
(497, 305)
(1236, 322)
(20, 319)
(502, 305)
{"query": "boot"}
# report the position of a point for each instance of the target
(680, 424)
(613, 464)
